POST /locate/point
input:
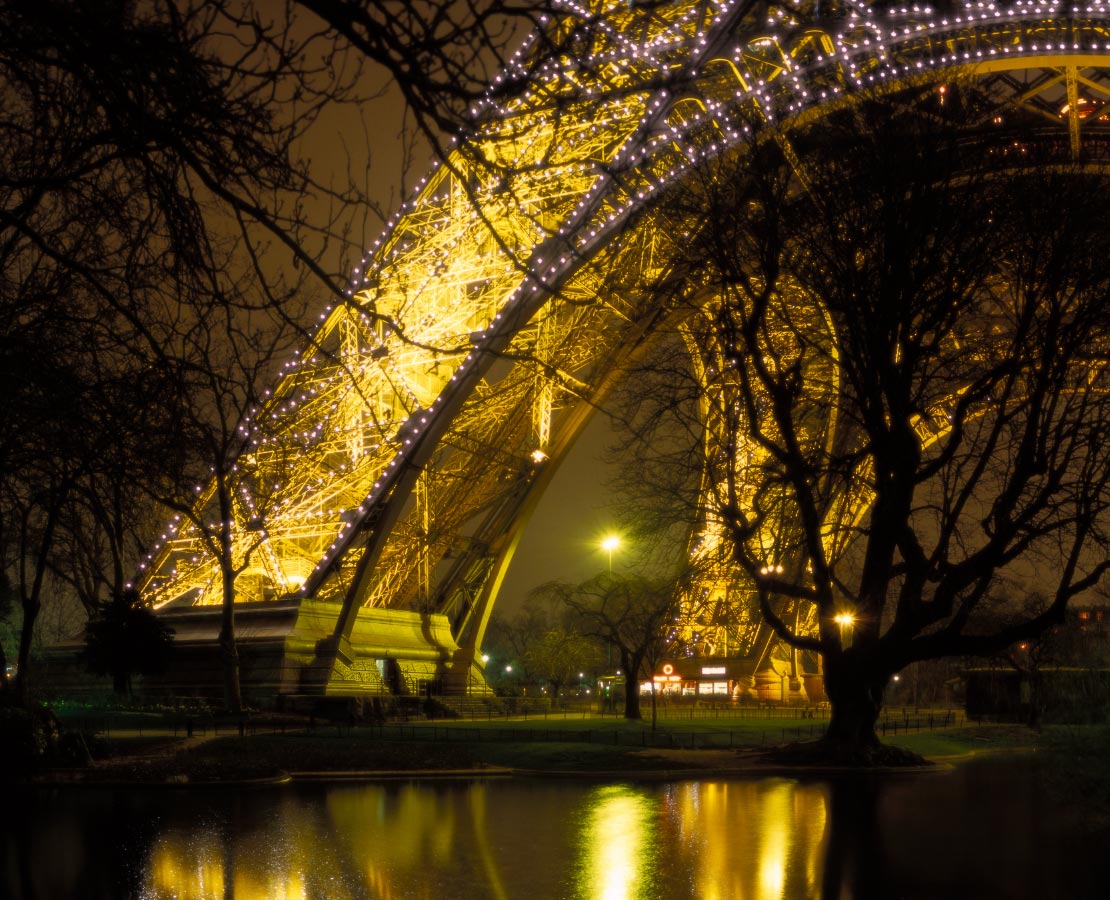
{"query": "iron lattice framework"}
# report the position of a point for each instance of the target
(410, 440)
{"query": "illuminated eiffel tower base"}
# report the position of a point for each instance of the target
(411, 440)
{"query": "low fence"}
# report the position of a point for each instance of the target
(172, 725)
(527, 708)
(668, 736)
(750, 726)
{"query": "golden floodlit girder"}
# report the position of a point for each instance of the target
(395, 462)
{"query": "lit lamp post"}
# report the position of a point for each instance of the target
(610, 544)
(845, 621)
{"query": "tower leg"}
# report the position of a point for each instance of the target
(463, 676)
(317, 675)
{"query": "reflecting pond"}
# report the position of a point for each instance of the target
(986, 830)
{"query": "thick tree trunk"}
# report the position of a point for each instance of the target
(631, 666)
(229, 655)
(31, 607)
(856, 696)
(229, 651)
(632, 701)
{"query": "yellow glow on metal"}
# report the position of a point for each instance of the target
(536, 238)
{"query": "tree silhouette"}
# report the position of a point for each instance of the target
(124, 638)
(152, 175)
(557, 656)
(901, 348)
(630, 613)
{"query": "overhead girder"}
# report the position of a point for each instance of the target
(508, 286)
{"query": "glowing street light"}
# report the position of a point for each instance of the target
(610, 544)
(845, 621)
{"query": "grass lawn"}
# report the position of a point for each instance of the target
(968, 739)
(710, 733)
(575, 745)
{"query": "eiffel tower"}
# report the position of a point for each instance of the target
(411, 440)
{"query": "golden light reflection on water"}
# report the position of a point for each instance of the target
(726, 840)
(416, 823)
(187, 868)
(762, 840)
(617, 830)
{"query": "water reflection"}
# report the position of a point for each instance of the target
(766, 839)
(762, 840)
(618, 845)
(854, 861)
(754, 839)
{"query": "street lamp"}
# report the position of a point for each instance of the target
(610, 544)
(845, 621)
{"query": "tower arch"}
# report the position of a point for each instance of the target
(413, 435)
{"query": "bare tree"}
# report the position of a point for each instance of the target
(150, 166)
(443, 56)
(900, 349)
(558, 655)
(221, 475)
(41, 463)
(630, 613)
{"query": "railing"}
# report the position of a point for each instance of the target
(724, 738)
(184, 726)
(806, 723)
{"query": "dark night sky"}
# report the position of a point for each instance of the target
(563, 539)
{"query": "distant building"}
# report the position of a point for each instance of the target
(726, 678)
(1063, 676)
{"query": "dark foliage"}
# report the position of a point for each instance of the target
(125, 638)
